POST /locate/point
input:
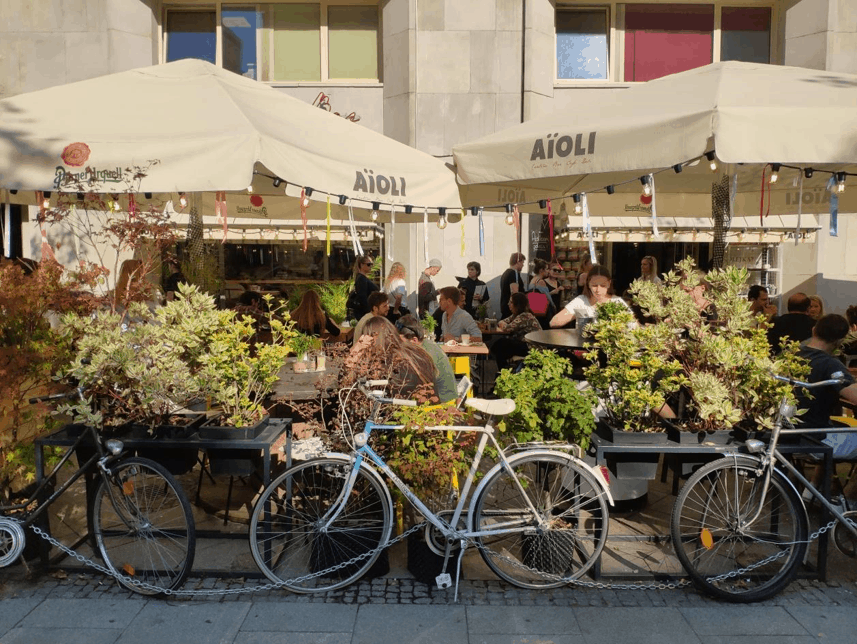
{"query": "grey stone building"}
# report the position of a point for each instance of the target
(433, 73)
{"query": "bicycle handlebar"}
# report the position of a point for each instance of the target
(38, 399)
(382, 399)
(810, 385)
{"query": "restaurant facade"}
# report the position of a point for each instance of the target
(434, 73)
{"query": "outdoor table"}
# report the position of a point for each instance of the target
(459, 357)
(602, 447)
(562, 339)
(141, 440)
(295, 386)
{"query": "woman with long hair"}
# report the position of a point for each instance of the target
(598, 289)
(388, 356)
(363, 286)
(649, 270)
(396, 290)
(520, 323)
(553, 280)
(311, 318)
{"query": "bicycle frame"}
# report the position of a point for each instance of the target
(364, 451)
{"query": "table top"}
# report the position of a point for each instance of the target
(472, 349)
(555, 339)
(291, 385)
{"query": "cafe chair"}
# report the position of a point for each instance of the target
(462, 391)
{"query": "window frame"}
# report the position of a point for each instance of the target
(325, 80)
(616, 34)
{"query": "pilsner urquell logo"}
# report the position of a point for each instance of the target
(562, 146)
(370, 182)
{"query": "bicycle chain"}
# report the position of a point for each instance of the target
(470, 541)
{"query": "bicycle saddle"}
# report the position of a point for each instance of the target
(499, 407)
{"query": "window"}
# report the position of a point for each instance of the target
(666, 39)
(642, 40)
(581, 44)
(283, 42)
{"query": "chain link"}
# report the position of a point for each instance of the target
(136, 583)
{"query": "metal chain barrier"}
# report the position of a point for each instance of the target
(419, 526)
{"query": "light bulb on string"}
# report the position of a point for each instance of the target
(250, 189)
(375, 206)
(647, 186)
(183, 200)
(510, 218)
(46, 202)
(578, 207)
(775, 172)
(840, 182)
(441, 221)
(712, 161)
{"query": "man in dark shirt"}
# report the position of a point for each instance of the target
(794, 325)
(511, 282)
(827, 335)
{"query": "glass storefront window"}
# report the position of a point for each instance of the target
(297, 42)
(352, 42)
(746, 34)
(582, 44)
(240, 26)
(191, 34)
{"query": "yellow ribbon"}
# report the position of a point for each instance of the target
(328, 226)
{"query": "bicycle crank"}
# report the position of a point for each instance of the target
(436, 540)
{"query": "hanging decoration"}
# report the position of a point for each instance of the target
(327, 245)
(732, 192)
(587, 227)
(799, 206)
(550, 227)
(462, 233)
(481, 233)
(132, 204)
(47, 251)
(304, 204)
(651, 185)
(392, 231)
(425, 235)
(516, 220)
(355, 238)
(762, 212)
(220, 213)
(832, 188)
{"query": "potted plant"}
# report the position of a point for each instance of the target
(429, 324)
(301, 345)
(548, 403)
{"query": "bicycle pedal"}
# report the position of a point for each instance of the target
(443, 581)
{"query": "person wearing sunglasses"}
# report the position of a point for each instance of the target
(554, 280)
(358, 301)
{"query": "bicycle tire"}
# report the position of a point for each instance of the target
(844, 541)
(149, 534)
(285, 536)
(710, 542)
(558, 545)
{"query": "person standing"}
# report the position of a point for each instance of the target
(554, 283)
(426, 292)
(585, 267)
(396, 290)
(511, 282)
(363, 286)
(649, 270)
(542, 308)
(175, 278)
(476, 291)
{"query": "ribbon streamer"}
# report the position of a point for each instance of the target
(47, 251)
(355, 238)
(516, 218)
(481, 233)
(655, 231)
(462, 233)
(834, 206)
(732, 193)
(327, 245)
(425, 235)
(392, 229)
(762, 212)
(587, 227)
(303, 217)
(550, 226)
(799, 206)
(220, 212)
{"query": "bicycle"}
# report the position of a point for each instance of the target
(539, 516)
(138, 516)
(739, 525)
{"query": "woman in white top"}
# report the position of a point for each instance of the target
(598, 290)
(394, 285)
(649, 270)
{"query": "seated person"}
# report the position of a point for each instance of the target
(455, 319)
(827, 334)
(379, 306)
(520, 323)
(444, 383)
(312, 319)
(794, 325)
(598, 289)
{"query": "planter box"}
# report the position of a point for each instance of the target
(333, 548)
(622, 437)
(179, 431)
(631, 465)
(210, 430)
(719, 437)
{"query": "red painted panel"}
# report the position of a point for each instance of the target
(659, 54)
(746, 19)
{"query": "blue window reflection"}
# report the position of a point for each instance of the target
(239, 41)
(191, 34)
(581, 44)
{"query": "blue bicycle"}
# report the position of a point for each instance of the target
(539, 516)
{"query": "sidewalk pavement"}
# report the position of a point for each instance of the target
(90, 609)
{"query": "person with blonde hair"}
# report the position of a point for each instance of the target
(816, 307)
(649, 270)
(396, 290)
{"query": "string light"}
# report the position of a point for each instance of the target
(474, 210)
(543, 203)
(116, 205)
(375, 207)
(578, 208)
(840, 182)
(250, 189)
(46, 202)
(80, 196)
(182, 200)
(808, 173)
(610, 189)
(678, 167)
(147, 195)
(277, 182)
(342, 200)
(775, 172)
(647, 187)
(510, 219)
(712, 162)
(441, 221)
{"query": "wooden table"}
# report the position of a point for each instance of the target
(459, 357)
(295, 386)
(562, 339)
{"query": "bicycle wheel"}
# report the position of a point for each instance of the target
(557, 542)
(725, 556)
(290, 536)
(143, 527)
(844, 540)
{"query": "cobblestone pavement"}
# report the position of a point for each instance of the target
(76, 585)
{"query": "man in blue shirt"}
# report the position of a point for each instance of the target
(455, 319)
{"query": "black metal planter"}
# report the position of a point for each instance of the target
(631, 465)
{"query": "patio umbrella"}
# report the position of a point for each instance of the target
(744, 116)
(192, 127)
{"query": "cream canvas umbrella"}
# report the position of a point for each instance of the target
(743, 116)
(191, 127)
